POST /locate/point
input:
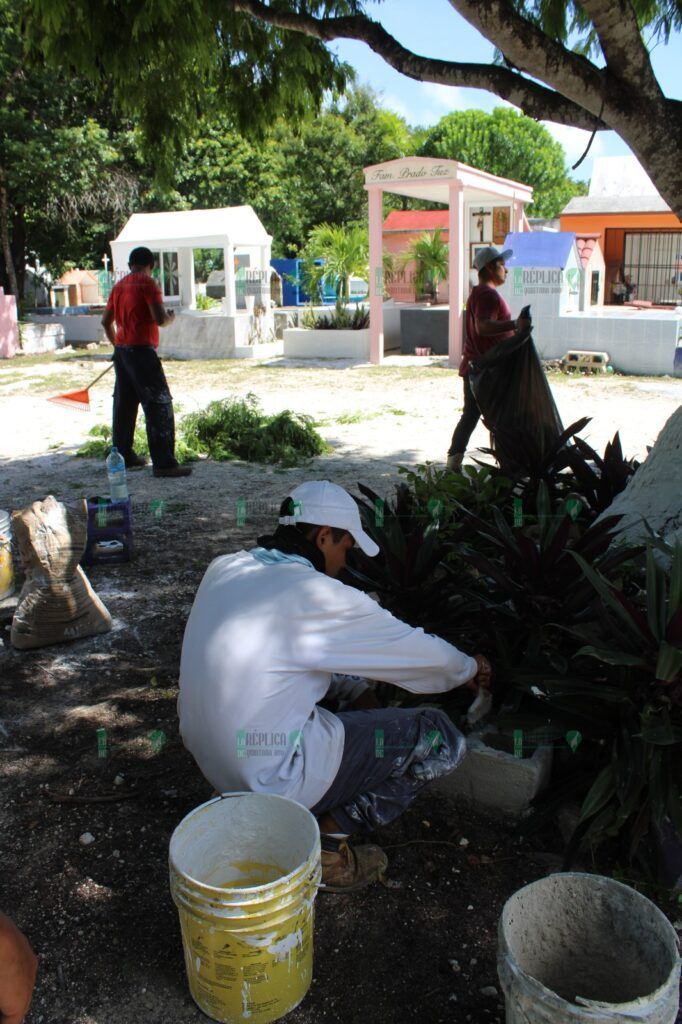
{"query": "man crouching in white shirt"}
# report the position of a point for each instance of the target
(272, 632)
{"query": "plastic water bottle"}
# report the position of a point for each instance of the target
(116, 471)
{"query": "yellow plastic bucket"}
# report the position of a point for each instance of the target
(6, 567)
(244, 873)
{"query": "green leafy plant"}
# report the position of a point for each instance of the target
(339, 320)
(406, 572)
(477, 489)
(634, 701)
(205, 302)
(571, 469)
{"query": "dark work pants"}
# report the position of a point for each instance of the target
(140, 381)
(389, 754)
(467, 423)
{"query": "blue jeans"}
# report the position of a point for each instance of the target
(389, 755)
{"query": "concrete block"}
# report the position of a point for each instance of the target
(42, 337)
(493, 779)
(424, 327)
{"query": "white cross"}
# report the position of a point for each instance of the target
(105, 261)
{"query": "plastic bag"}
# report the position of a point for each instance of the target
(516, 403)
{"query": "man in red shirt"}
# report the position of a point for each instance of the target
(488, 321)
(136, 307)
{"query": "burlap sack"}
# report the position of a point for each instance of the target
(56, 602)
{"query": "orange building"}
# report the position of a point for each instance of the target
(641, 240)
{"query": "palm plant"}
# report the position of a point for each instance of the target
(429, 253)
(630, 706)
(344, 252)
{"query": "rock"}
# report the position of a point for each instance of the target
(86, 839)
(455, 966)
(489, 990)
(464, 842)
(119, 780)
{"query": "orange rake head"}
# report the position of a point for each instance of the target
(79, 400)
(73, 400)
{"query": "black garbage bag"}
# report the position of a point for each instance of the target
(516, 403)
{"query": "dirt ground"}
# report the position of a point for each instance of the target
(100, 916)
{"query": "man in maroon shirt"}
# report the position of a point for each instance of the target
(488, 321)
(136, 307)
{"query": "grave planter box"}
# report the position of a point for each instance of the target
(301, 343)
(492, 778)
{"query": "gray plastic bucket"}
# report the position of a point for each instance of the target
(577, 948)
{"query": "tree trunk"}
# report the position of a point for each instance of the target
(654, 493)
(18, 248)
(4, 239)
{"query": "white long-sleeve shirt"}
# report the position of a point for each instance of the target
(260, 647)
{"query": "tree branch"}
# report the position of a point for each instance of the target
(621, 42)
(535, 99)
(532, 50)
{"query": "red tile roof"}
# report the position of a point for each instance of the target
(416, 220)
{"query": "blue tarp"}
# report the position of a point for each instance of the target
(539, 248)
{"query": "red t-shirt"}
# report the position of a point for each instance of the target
(485, 303)
(130, 300)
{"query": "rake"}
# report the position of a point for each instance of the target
(79, 400)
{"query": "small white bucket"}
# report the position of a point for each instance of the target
(244, 872)
(6, 565)
(576, 948)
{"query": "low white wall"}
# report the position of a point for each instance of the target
(78, 327)
(43, 337)
(300, 343)
(197, 334)
(638, 342)
(266, 350)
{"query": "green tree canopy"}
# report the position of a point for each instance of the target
(61, 181)
(582, 64)
(510, 145)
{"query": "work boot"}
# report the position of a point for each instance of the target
(135, 461)
(346, 869)
(454, 462)
(173, 471)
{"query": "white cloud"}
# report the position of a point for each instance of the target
(443, 97)
(396, 105)
(574, 141)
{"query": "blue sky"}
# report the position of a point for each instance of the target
(432, 28)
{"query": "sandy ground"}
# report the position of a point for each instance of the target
(100, 916)
(405, 412)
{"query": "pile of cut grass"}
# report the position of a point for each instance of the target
(232, 428)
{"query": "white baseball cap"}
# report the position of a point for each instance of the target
(322, 503)
(489, 254)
